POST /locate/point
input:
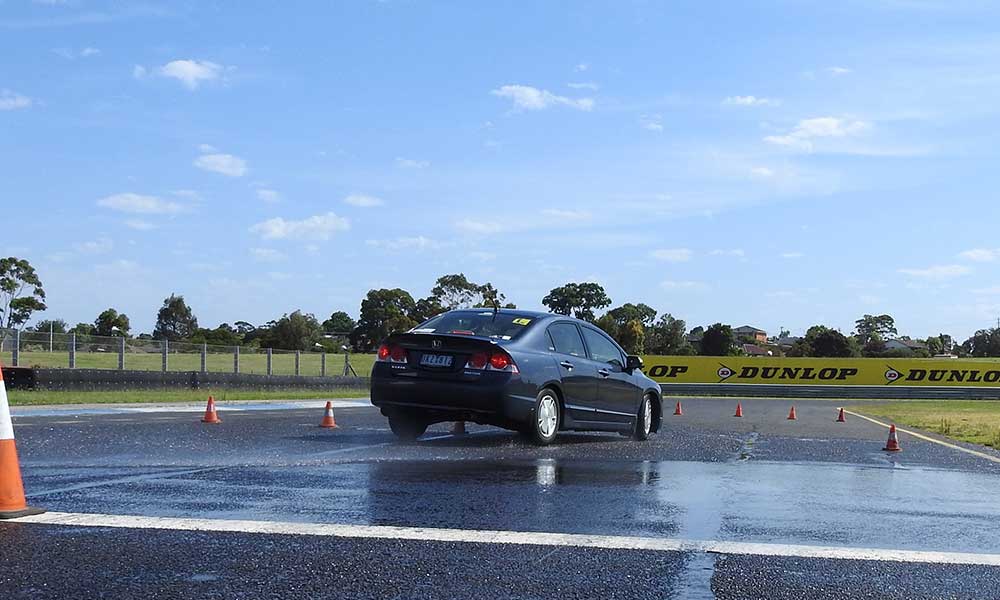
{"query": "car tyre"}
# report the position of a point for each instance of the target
(405, 427)
(545, 418)
(644, 420)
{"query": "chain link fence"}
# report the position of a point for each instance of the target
(72, 351)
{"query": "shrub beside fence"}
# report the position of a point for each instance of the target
(71, 351)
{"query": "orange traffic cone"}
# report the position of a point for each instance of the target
(12, 501)
(328, 420)
(677, 410)
(791, 414)
(893, 444)
(739, 410)
(458, 428)
(840, 417)
(210, 415)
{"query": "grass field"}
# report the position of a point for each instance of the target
(25, 398)
(975, 421)
(282, 364)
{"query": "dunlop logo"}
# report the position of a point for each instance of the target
(944, 375)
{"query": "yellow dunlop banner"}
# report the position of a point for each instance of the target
(824, 371)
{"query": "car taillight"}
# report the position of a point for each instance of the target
(392, 353)
(501, 361)
(398, 354)
(477, 361)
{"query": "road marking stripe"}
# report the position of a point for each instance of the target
(526, 538)
(921, 436)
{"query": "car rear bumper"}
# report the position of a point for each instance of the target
(493, 398)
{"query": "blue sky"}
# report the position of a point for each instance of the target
(780, 163)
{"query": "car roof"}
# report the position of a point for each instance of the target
(534, 314)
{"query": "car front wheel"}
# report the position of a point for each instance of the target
(545, 418)
(644, 420)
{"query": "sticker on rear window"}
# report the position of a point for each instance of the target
(428, 330)
(521, 321)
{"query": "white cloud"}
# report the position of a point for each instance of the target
(736, 252)
(101, 245)
(672, 254)
(207, 149)
(571, 215)
(139, 72)
(267, 255)
(363, 200)
(670, 285)
(12, 101)
(838, 71)
(139, 204)
(792, 255)
(225, 164)
(581, 67)
(981, 254)
(191, 73)
(473, 226)
(484, 256)
(70, 54)
(266, 195)
(139, 225)
(651, 122)
(526, 97)
(938, 272)
(764, 172)
(319, 227)
(407, 243)
(584, 85)
(750, 101)
(409, 163)
(821, 127)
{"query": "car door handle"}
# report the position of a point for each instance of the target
(566, 365)
(604, 372)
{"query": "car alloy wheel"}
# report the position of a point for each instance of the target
(545, 422)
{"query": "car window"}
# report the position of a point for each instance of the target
(566, 339)
(601, 348)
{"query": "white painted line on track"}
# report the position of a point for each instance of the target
(926, 438)
(522, 538)
(222, 405)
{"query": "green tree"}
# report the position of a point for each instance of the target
(111, 322)
(632, 336)
(490, 297)
(383, 312)
(21, 293)
(175, 320)
(577, 299)
(718, 340)
(223, 335)
(339, 322)
(940, 344)
(985, 343)
(455, 291)
(666, 337)
(57, 326)
(630, 312)
(294, 331)
(871, 326)
(82, 329)
(425, 308)
(874, 348)
(830, 343)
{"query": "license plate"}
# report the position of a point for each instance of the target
(436, 360)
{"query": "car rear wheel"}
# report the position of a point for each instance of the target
(406, 427)
(644, 420)
(545, 418)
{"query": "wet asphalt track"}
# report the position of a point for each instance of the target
(706, 476)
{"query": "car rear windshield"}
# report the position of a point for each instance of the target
(485, 324)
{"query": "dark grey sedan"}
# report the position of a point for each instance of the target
(536, 373)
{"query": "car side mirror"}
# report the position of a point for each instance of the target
(633, 362)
